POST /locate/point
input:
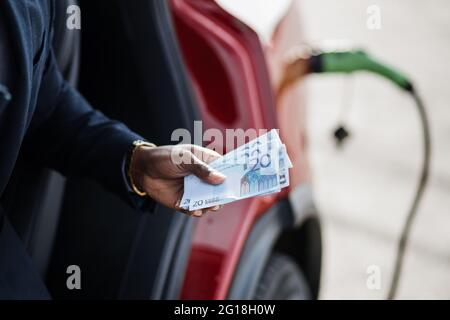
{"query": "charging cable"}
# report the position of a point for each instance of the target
(358, 60)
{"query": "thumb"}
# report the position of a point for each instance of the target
(204, 171)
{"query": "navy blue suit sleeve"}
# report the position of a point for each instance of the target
(68, 135)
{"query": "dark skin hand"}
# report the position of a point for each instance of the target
(155, 172)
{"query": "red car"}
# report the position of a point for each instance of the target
(157, 66)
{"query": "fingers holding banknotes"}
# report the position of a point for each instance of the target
(191, 179)
(160, 172)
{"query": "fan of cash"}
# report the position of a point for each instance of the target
(257, 168)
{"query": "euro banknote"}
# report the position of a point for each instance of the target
(258, 168)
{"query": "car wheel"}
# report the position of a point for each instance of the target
(282, 279)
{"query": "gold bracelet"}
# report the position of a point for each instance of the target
(137, 144)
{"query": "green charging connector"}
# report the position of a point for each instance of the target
(358, 60)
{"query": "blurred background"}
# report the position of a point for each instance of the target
(365, 189)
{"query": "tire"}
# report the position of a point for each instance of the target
(282, 279)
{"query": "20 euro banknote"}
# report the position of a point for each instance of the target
(259, 167)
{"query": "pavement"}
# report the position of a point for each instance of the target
(364, 189)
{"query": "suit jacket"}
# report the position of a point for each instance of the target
(48, 120)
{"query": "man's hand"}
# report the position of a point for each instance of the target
(154, 171)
